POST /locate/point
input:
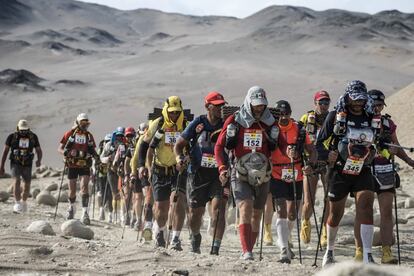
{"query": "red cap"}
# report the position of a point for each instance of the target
(214, 98)
(321, 95)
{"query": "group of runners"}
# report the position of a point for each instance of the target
(171, 169)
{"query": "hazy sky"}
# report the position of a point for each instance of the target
(243, 8)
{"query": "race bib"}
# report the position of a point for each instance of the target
(253, 139)
(208, 161)
(287, 174)
(171, 137)
(353, 166)
(80, 139)
(24, 143)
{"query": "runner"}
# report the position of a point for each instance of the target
(144, 183)
(137, 196)
(78, 148)
(203, 184)
(123, 179)
(292, 141)
(248, 134)
(384, 179)
(107, 157)
(313, 121)
(349, 133)
(156, 155)
(104, 191)
(21, 144)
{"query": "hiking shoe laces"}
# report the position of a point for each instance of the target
(284, 256)
(176, 244)
(387, 257)
(85, 218)
(160, 241)
(70, 212)
(328, 258)
(305, 231)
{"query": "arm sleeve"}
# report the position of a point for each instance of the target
(134, 159)
(143, 148)
(220, 144)
(190, 131)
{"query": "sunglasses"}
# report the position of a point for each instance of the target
(284, 113)
(175, 112)
(324, 102)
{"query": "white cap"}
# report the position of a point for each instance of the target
(22, 125)
(142, 127)
(257, 96)
(81, 117)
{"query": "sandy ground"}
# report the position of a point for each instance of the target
(108, 254)
(130, 61)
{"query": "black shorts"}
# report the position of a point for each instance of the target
(145, 183)
(163, 184)
(202, 186)
(378, 191)
(17, 171)
(340, 185)
(137, 187)
(74, 173)
(282, 189)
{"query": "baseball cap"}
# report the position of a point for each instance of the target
(257, 96)
(214, 98)
(321, 95)
(22, 125)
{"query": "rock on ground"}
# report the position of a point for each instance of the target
(75, 228)
(64, 196)
(347, 219)
(46, 199)
(41, 227)
(4, 196)
(52, 187)
(359, 269)
(409, 203)
(35, 192)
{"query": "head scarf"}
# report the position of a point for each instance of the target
(355, 90)
(173, 103)
(245, 115)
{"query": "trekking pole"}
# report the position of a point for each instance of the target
(127, 210)
(220, 198)
(320, 227)
(261, 235)
(296, 206)
(175, 199)
(104, 200)
(60, 190)
(400, 147)
(93, 197)
(313, 207)
(396, 220)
